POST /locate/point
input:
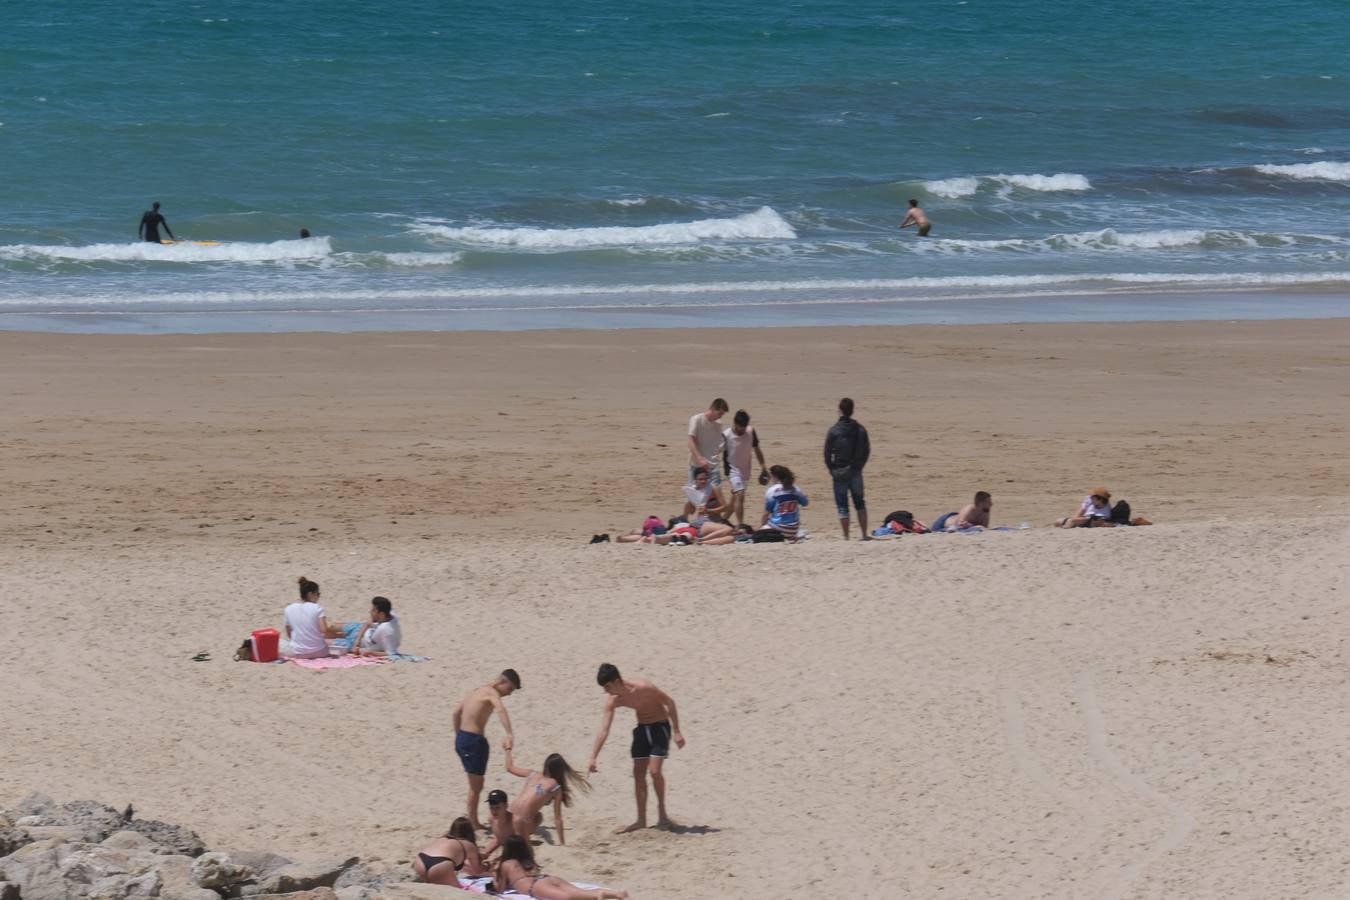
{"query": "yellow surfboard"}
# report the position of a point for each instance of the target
(195, 243)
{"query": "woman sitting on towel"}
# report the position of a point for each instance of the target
(1094, 510)
(553, 785)
(307, 627)
(518, 872)
(441, 861)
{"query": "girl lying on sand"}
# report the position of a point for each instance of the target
(519, 872)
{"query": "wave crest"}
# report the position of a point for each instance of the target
(969, 185)
(762, 224)
(142, 251)
(1313, 171)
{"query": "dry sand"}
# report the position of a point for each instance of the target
(1152, 712)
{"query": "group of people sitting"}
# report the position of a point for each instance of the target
(513, 867)
(310, 634)
(706, 515)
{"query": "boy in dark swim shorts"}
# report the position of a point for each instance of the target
(471, 745)
(658, 724)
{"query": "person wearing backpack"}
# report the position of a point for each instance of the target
(846, 451)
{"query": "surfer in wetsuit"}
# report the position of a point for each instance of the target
(150, 223)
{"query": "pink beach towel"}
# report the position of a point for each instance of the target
(340, 662)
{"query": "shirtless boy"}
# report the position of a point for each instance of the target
(975, 515)
(471, 718)
(657, 722)
(916, 216)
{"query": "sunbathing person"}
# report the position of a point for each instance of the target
(378, 636)
(553, 785)
(974, 516)
(681, 531)
(1095, 511)
(441, 861)
(307, 626)
(783, 503)
(518, 872)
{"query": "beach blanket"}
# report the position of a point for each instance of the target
(340, 662)
(481, 884)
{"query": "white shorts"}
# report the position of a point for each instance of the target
(737, 480)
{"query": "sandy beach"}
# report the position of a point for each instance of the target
(1151, 712)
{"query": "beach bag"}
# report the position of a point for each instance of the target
(767, 536)
(1120, 513)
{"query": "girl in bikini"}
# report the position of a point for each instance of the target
(553, 785)
(441, 861)
(519, 872)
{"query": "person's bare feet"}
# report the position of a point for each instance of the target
(666, 823)
(636, 826)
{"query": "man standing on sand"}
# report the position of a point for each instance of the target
(705, 442)
(471, 717)
(741, 440)
(847, 449)
(916, 216)
(151, 221)
(657, 723)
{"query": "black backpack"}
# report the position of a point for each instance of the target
(1120, 513)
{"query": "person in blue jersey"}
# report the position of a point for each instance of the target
(783, 502)
(151, 222)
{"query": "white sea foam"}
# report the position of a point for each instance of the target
(448, 258)
(968, 185)
(897, 290)
(229, 251)
(1064, 181)
(1320, 171)
(762, 224)
(952, 187)
(1108, 239)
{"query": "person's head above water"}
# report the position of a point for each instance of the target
(309, 590)
(155, 206)
(304, 232)
(913, 202)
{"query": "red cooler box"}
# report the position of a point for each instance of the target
(265, 641)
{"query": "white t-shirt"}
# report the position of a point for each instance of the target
(385, 636)
(1093, 511)
(697, 496)
(307, 638)
(739, 448)
(707, 436)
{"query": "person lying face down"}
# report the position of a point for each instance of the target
(442, 860)
(977, 513)
(519, 872)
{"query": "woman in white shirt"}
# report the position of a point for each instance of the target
(307, 628)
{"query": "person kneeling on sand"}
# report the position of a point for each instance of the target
(553, 785)
(458, 848)
(783, 503)
(703, 500)
(500, 820)
(1095, 510)
(519, 872)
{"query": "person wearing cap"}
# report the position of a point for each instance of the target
(471, 744)
(500, 819)
(1094, 510)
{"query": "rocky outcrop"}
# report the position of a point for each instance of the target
(89, 851)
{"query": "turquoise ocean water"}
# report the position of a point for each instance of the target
(601, 164)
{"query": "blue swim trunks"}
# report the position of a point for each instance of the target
(473, 751)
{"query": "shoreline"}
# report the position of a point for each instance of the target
(1209, 304)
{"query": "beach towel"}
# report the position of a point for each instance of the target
(340, 662)
(480, 885)
(406, 657)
